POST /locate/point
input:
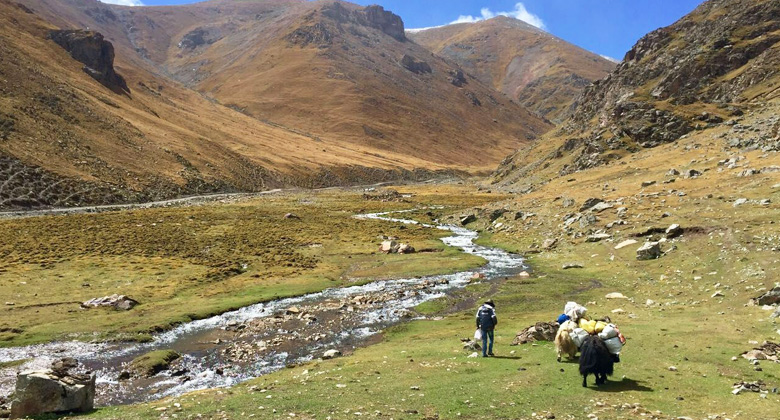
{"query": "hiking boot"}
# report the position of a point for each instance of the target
(491, 354)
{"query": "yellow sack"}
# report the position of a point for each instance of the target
(589, 326)
(600, 326)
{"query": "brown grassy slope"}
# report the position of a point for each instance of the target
(343, 83)
(540, 71)
(718, 62)
(70, 140)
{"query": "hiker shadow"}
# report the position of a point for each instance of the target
(626, 384)
(507, 357)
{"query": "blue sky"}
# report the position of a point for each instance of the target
(607, 27)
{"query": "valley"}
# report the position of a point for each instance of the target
(290, 209)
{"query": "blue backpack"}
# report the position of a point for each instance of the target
(487, 318)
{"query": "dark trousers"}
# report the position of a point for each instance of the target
(485, 335)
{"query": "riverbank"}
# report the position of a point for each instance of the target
(188, 263)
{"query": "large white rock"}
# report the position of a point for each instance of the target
(39, 392)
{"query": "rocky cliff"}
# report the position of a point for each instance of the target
(716, 63)
(97, 55)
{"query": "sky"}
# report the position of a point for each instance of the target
(607, 27)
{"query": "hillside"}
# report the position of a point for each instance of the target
(717, 65)
(538, 70)
(285, 94)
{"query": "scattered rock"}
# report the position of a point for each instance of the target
(672, 368)
(647, 183)
(740, 201)
(541, 331)
(291, 216)
(549, 243)
(589, 203)
(649, 251)
(673, 172)
(692, 173)
(118, 302)
(615, 295)
(625, 243)
(568, 266)
(601, 207)
(718, 294)
(597, 237)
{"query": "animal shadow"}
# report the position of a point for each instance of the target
(626, 384)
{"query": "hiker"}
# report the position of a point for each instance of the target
(486, 321)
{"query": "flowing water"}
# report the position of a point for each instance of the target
(255, 340)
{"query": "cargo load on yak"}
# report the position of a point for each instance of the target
(603, 329)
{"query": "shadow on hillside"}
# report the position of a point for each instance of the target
(626, 384)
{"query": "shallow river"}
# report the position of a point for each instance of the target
(255, 340)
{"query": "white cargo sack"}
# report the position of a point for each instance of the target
(574, 310)
(478, 334)
(610, 331)
(614, 345)
(577, 336)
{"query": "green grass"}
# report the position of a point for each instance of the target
(193, 262)
(153, 362)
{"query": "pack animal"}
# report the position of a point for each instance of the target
(596, 359)
(563, 342)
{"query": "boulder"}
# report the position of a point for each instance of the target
(457, 78)
(673, 231)
(405, 249)
(771, 297)
(692, 173)
(647, 183)
(549, 243)
(53, 391)
(615, 295)
(388, 247)
(118, 302)
(496, 214)
(331, 354)
(600, 207)
(541, 331)
(468, 219)
(589, 203)
(740, 201)
(649, 251)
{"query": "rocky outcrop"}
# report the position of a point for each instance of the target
(55, 390)
(414, 65)
(198, 37)
(372, 16)
(97, 55)
(317, 34)
(707, 60)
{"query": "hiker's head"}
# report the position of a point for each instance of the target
(490, 302)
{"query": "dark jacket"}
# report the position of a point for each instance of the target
(486, 318)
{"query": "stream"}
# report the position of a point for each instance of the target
(236, 346)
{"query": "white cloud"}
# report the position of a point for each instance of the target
(606, 57)
(124, 2)
(520, 13)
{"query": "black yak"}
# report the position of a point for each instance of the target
(596, 359)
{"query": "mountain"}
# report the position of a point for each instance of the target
(104, 103)
(705, 71)
(538, 70)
